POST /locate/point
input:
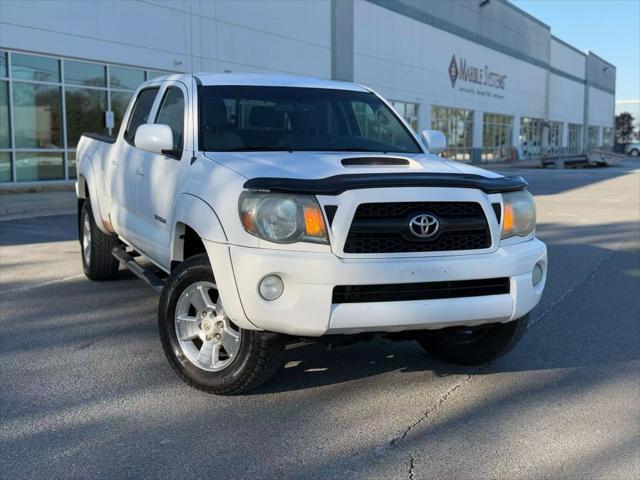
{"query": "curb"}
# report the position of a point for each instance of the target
(24, 205)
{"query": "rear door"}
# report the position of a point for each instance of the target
(163, 172)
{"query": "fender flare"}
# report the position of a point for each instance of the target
(196, 213)
(86, 175)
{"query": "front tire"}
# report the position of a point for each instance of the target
(97, 261)
(634, 152)
(204, 347)
(473, 345)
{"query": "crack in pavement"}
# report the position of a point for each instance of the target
(425, 415)
(458, 385)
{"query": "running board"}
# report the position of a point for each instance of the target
(138, 270)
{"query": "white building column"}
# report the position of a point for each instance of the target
(564, 142)
(476, 136)
(515, 134)
(476, 140)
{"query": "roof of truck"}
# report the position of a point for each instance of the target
(266, 80)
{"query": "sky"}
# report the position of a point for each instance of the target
(609, 28)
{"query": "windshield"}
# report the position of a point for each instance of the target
(248, 118)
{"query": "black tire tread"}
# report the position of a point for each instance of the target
(499, 342)
(103, 265)
(266, 348)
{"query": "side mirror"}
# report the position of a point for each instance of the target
(435, 141)
(154, 138)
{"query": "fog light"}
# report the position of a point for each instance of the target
(536, 274)
(271, 287)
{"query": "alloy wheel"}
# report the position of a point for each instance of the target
(207, 337)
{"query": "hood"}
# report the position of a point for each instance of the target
(313, 165)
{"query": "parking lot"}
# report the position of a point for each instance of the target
(85, 391)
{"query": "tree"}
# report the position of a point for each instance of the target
(624, 127)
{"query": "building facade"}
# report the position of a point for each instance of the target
(489, 75)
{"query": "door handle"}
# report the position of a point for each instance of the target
(140, 172)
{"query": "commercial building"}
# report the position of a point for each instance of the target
(491, 76)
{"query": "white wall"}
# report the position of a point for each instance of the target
(566, 98)
(252, 35)
(567, 59)
(601, 108)
(405, 59)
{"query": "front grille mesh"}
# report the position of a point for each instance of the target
(394, 237)
(420, 291)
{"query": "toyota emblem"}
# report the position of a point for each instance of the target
(424, 226)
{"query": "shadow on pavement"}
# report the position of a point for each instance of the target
(55, 228)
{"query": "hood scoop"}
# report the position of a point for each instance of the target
(375, 162)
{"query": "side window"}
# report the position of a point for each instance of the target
(171, 113)
(140, 112)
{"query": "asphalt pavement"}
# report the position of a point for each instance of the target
(85, 391)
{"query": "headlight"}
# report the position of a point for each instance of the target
(519, 214)
(282, 218)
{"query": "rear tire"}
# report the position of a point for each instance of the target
(634, 152)
(473, 345)
(213, 354)
(97, 261)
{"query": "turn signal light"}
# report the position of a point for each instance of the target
(313, 221)
(507, 224)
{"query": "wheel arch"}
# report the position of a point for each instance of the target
(87, 189)
(194, 221)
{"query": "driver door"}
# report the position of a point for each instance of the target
(164, 173)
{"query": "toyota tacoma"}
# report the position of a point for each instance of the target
(271, 208)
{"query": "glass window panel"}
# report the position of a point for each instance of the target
(85, 112)
(153, 74)
(172, 113)
(592, 134)
(129, 78)
(33, 166)
(82, 73)
(71, 165)
(5, 167)
(408, 111)
(575, 137)
(29, 67)
(5, 134)
(140, 113)
(36, 114)
(3, 64)
(457, 126)
(119, 103)
(496, 137)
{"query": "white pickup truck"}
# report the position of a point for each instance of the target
(271, 208)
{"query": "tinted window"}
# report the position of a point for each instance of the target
(32, 166)
(82, 73)
(85, 112)
(5, 134)
(130, 78)
(29, 67)
(37, 115)
(3, 64)
(172, 113)
(140, 112)
(119, 103)
(243, 118)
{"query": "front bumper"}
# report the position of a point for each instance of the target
(305, 307)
